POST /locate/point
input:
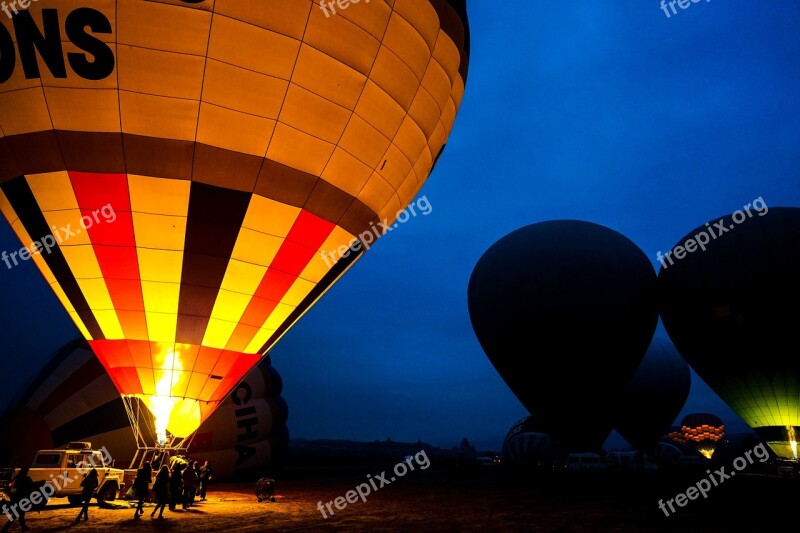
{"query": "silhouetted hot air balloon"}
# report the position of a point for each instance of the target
(565, 310)
(703, 431)
(731, 311)
(654, 396)
(526, 444)
(187, 169)
(73, 399)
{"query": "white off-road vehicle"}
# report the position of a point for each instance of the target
(64, 470)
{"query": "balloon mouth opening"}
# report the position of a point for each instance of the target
(782, 440)
(173, 417)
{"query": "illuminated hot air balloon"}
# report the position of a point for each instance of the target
(565, 310)
(73, 399)
(703, 431)
(654, 396)
(731, 311)
(187, 169)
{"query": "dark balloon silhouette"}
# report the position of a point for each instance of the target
(654, 396)
(565, 310)
(703, 431)
(732, 311)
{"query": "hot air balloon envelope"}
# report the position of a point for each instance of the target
(181, 169)
(565, 310)
(654, 396)
(731, 311)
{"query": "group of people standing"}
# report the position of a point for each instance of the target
(172, 486)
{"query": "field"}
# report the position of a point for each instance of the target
(491, 498)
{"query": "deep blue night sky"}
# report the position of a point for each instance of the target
(601, 111)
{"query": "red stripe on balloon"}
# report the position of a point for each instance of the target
(303, 241)
(300, 246)
(104, 202)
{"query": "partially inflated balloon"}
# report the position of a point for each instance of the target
(654, 396)
(73, 399)
(192, 172)
(731, 309)
(565, 310)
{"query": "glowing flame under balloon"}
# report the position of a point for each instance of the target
(178, 416)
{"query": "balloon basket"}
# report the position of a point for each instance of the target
(148, 448)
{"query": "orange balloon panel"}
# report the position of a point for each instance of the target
(704, 432)
(189, 170)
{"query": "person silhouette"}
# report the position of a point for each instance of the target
(89, 484)
(141, 486)
(22, 486)
(161, 488)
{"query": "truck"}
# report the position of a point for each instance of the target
(64, 469)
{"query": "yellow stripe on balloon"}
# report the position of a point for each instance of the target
(53, 191)
(259, 340)
(160, 265)
(278, 316)
(159, 196)
(219, 332)
(298, 291)
(270, 217)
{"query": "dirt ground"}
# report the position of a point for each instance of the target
(490, 498)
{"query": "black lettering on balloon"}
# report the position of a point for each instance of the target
(248, 393)
(8, 55)
(76, 24)
(247, 425)
(244, 411)
(30, 40)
